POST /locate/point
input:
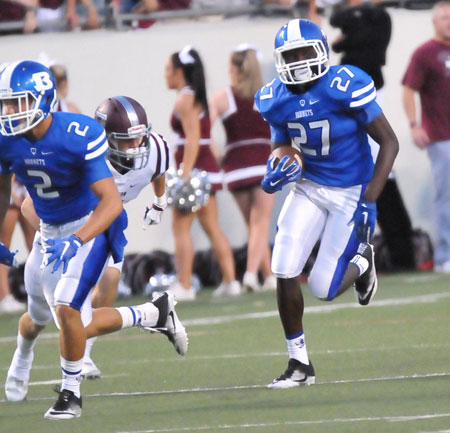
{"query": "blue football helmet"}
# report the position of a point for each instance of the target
(27, 96)
(299, 35)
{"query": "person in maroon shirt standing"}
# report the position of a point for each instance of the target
(247, 150)
(428, 74)
(192, 128)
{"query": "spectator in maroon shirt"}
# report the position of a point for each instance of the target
(428, 74)
(18, 10)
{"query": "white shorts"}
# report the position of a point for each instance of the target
(38, 307)
(73, 288)
(309, 213)
(117, 266)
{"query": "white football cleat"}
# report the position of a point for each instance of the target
(172, 328)
(89, 370)
(297, 374)
(16, 389)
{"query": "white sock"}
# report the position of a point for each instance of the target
(89, 343)
(26, 346)
(23, 358)
(361, 263)
(132, 316)
(129, 316)
(71, 375)
(297, 348)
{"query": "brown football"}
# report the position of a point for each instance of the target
(292, 152)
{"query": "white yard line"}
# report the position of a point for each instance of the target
(436, 431)
(236, 388)
(327, 308)
(305, 422)
(196, 358)
(58, 381)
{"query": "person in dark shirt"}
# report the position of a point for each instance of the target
(366, 32)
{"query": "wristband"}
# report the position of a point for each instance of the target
(78, 239)
(161, 201)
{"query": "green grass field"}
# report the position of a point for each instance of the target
(382, 368)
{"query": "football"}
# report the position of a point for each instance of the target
(292, 152)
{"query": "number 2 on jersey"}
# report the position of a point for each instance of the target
(46, 184)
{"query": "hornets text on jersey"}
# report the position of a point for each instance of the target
(59, 168)
(326, 123)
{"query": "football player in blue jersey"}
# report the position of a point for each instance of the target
(60, 158)
(327, 113)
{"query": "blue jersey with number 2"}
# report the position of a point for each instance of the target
(327, 123)
(58, 169)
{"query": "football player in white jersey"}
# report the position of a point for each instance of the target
(326, 112)
(59, 157)
(136, 157)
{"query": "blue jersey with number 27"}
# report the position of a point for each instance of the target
(327, 123)
(59, 168)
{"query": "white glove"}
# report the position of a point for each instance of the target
(154, 213)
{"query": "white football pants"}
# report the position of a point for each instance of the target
(309, 213)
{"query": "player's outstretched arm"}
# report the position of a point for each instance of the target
(107, 210)
(29, 212)
(381, 131)
(61, 250)
(365, 214)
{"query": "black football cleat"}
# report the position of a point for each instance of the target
(297, 374)
(67, 406)
(366, 285)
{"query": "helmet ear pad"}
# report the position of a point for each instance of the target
(32, 88)
(125, 119)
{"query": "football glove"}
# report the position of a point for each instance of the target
(62, 250)
(7, 257)
(276, 177)
(154, 213)
(365, 217)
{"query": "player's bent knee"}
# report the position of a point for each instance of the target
(66, 314)
(319, 288)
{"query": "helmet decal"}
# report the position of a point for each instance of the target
(27, 96)
(42, 81)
